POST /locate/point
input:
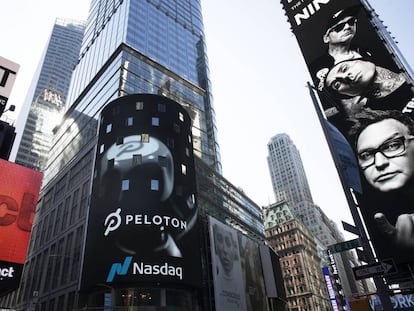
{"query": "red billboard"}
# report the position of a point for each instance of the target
(367, 95)
(19, 190)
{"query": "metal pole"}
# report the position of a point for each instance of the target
(382, 288)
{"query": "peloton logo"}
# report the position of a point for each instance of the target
(114, 220)
(141, 268)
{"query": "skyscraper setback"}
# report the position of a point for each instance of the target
(130, 47)
(47, 103)
(290, 185)
(287, 172)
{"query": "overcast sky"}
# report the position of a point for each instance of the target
(258, 80)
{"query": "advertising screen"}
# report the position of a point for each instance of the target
(367, 95)
(229, 287)
(142, 225)
(256, 298)
(238, 278)
(330, 288)
(8, 72)
(19, 191)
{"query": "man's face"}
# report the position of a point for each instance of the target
(395, 171)
(342, 32)
(351, 77)
(225, 249)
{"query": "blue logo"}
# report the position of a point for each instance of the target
(119, 269)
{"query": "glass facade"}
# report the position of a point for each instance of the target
(46, 106)
(219, 198)
(153, 47)
(130, 46)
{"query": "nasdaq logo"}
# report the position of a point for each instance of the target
(119, 269)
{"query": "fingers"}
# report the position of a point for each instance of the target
(405, 230)
(384, 226)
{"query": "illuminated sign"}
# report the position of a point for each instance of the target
(329, 287)
(143, 203)
(18, 198)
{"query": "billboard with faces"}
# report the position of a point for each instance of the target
(237, 268)
(368, 97)
(142, 225)
(19, 190)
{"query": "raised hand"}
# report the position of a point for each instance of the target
(403, 231)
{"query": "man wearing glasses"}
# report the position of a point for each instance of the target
(384, 143)
(340, 30)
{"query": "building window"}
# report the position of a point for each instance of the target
(129, 121)
(181, 116)
(162, 107)
(125, 185)
(139, 105)
(102, 148)
(119, 140)
(136, 159)
(155, 121)
(109, 128)
(162, 160)
(154, 184)
(183, 169)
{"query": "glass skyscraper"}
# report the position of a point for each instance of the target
(129, 46)
(139, 47)
(47, 103)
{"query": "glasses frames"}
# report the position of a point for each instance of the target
(391, 148)
(337, 28)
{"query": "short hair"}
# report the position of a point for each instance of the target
(360, 121)
(334, 93)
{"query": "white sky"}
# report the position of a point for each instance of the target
(258, 81)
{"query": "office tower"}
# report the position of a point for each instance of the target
(47, 103)
(287, 172)
(129, 47)
(299, 260)
(290, 184)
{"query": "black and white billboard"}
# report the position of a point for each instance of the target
(367, 95)
(8, 73)
(229, 289)
(142, 225)
(238, 278)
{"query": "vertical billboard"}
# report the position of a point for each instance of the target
(229, 289)
(19, 190)
(237, 270)
(330, 288)
(8, 72)
(368, 97)
(142, 223)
